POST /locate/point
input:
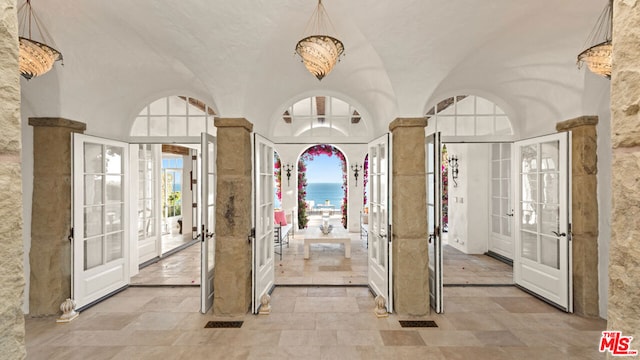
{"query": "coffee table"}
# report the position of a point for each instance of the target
(315, 236)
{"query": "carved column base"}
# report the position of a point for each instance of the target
(69, 313)
(381, 307)
(265, 308)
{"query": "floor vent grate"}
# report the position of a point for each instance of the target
(418, 323)
(223, 324)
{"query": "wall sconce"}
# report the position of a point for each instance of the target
(453, 164)
(356, 168)
(288, 168)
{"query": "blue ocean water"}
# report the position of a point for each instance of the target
(319, 192)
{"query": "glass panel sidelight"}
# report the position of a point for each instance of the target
(93, 189)
(529, 245)
(92, 252)
(93, 159)
(549, 250)
(114, 246)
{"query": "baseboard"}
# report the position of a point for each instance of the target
(499, 257)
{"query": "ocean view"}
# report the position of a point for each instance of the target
(319, 192)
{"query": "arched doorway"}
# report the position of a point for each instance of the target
(330, 196)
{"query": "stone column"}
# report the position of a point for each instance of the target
(232, 279)
(623, 312)
(409, 217)
(584, 208)
(11, 247)
(50, 255)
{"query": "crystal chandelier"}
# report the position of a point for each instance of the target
(319, 52)
(598, 56)
(36, 58)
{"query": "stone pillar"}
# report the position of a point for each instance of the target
(409, 217)
(584, 208)
(623, 313)
(232, 279)
(11, 247)
(50, 255)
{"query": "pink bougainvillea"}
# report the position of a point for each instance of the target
(277, 172)
(303, 219)
(365, 180)
(322, 149)
(445, 189)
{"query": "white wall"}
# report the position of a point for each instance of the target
(469, 201)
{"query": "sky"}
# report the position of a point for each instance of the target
(324, 169)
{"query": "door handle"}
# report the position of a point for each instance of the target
(559, 234)
(511, 214)
(431, 236)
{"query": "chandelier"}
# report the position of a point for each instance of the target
(36, 58)
(319, 52)
(598, 56)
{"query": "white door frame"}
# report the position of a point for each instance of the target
(380, 275)
(150, 247)
(433, 163)
(532, 262)
(207, 203)
(104, 275)
(501, 244)
(263, 241)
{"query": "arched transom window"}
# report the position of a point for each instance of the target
(469, 115)
(174, 116)
(320, 116)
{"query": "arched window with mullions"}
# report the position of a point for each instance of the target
(180, 118)
(321, 116)
(468, 115)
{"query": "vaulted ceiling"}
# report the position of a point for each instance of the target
(402, 57)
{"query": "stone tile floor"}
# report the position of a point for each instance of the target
(317, 323)
(320, 322)
(181, 268)
(460, 268)
(326, 264)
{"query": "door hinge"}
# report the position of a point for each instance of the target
(252, 235)
(70, 237)
(389, 233)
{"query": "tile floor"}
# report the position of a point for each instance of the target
(462, 269)
(317, 323)
(326, 264)
(181, 268)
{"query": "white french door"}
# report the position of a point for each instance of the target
(380, 276)
(207, 219)
(434, 219)
(542, 261)
(502, 210)
(262, 246)
(146, 165)
(100, 258)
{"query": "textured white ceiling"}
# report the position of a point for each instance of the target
(402, 57)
